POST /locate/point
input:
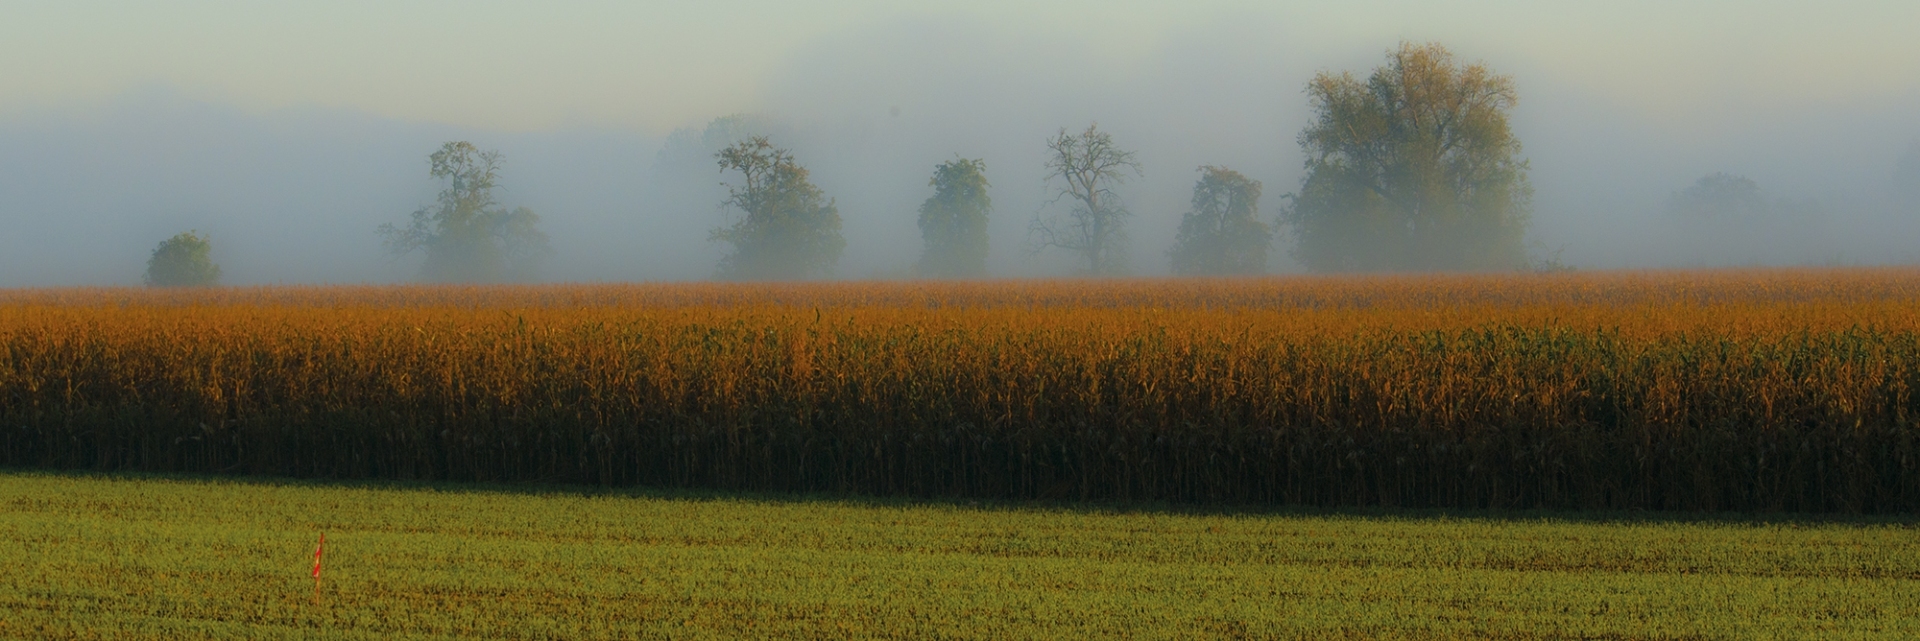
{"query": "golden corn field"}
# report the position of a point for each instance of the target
(1788, 390)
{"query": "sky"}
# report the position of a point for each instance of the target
(291, 129)
(654, 66)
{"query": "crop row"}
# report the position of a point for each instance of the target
(1781, 405)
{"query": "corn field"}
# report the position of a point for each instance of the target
(1788, 390)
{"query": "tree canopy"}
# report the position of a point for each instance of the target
(1088, 166)
(788, 229)
(1222, 233)
(953, 222)
(1414, 168)
(185, 260)
(467, 235)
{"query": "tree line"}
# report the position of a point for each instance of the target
(1414, 167)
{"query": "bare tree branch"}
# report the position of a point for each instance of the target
(1088, 163)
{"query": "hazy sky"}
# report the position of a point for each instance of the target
(651, 66)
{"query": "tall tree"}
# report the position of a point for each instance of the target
(185, 260)
(1222, 233)
(953, 222)
(468, 237)
(1089, 165)
(1415, 168)
(788, 228)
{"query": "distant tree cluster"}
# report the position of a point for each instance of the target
(466, 234)
(1413, 168)
(1726, 219)
(1721, 198)
(185, 260)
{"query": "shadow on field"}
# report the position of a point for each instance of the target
(1081, 507)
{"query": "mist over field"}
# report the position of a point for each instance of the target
(293, 193)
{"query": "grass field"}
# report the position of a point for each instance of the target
(148, 557)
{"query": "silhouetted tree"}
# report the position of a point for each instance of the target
(1089, 164)
(788, 228)
(1724, 219)
(1724, 200)
(1416, 168)
(467, 236)
(687, 153)
(1222, 233)
(953, 222)
(184, 260)
(1719, 196)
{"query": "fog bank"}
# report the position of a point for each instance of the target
(293, 195)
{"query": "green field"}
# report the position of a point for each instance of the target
(143, 557)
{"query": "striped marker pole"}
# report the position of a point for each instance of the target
(316, 564)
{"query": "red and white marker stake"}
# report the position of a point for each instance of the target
(316, 564)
